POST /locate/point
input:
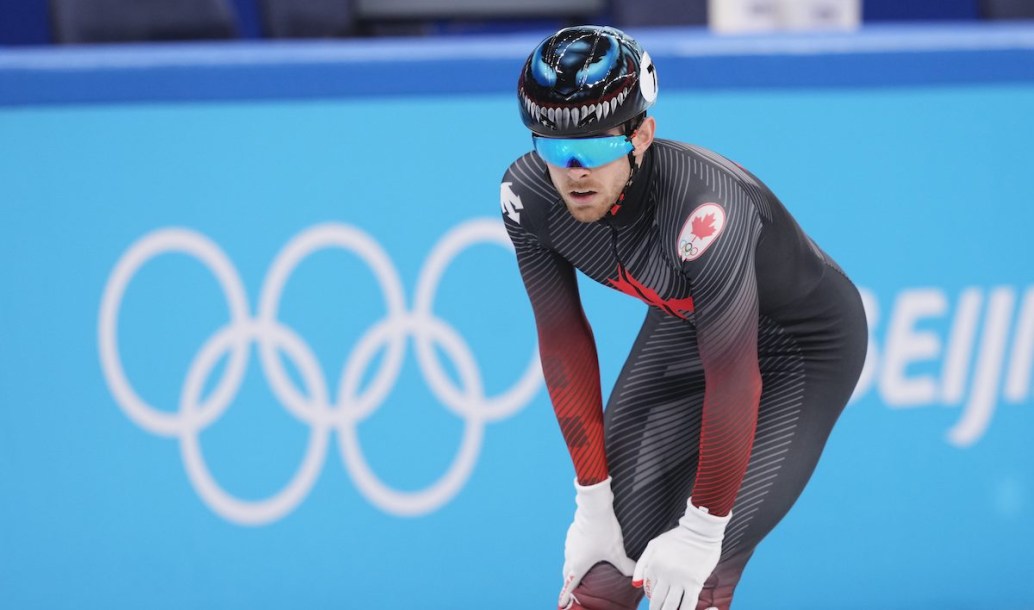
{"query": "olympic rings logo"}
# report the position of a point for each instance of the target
(314, 406)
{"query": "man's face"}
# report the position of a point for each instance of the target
(590, 193)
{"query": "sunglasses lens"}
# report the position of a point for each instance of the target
(582, 152)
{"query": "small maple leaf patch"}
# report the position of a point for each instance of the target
(703, 226)
(701, 229)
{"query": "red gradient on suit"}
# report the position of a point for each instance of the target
(731, 397)
(571, 368)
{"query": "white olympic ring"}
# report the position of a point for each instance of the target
(313, 406)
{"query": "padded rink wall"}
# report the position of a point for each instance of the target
(263, 344)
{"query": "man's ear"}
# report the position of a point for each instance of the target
(643, 136)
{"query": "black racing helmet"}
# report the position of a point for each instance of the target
(584, 80)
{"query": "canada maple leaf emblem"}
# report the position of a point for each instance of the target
(703, 226)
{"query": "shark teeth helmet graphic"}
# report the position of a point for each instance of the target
(584, 80)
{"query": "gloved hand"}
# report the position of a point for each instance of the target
(593, 536)
(676, 564)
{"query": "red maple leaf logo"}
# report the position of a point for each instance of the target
(626, 283)
(703, 226)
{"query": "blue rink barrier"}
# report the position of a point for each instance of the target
(263, 343)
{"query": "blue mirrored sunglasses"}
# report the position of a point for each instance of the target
(582, 152)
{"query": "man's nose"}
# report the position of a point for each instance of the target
(577, 171)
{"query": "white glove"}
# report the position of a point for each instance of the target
(594, 536)
(676, 564)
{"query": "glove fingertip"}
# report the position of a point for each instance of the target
(637, 572)
(565, 593)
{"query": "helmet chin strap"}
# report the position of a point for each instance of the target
(633, 166)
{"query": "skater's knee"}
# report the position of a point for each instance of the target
(606, 588)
